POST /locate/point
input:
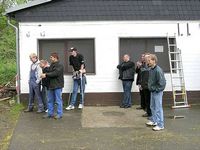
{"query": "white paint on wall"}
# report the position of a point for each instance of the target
(106, 35)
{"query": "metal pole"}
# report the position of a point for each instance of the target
(81, 89)
(17, 59)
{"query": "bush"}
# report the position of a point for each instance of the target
(7, 71)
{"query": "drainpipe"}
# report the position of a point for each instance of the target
(17, 58)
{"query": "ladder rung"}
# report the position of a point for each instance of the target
(179, 102)
(175, 60)
(182, 106)
(177, 68)
(179, 94)
(174, 52)
(172, 44)
(178, 77)
(178, 85)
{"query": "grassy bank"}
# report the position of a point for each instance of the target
(7, 71)
(8, 116)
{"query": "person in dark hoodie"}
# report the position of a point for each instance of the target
(156, 85)
(126, 74)
(45, 83)
(140, 65)
(144, 85)
(55, 75)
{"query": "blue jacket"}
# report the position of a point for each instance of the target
(157, 81)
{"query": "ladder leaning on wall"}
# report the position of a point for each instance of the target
(177, 75)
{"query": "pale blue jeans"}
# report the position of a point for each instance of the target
(157, 109)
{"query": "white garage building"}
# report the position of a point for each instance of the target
(104, 30)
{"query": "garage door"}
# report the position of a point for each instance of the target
(137, 46)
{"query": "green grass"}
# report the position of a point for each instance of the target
(12, 116)
(15, 111)
(7, 71)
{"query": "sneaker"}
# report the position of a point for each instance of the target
(127, 106)
(157, 128)
(46, 111)
(145, 115)
(150, 123)
(57, 117)
(47, 116)
(138, 108)
(28, 110)
(70, 107)
(40, 111)
(80, 106)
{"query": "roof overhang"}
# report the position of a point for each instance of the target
(25, 6)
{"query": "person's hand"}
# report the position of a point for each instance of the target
(43, 75)
(139, 86)
(139, 64)
(81, 71)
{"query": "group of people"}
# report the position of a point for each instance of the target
(51, 79)
(151, 82)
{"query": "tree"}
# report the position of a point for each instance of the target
(7, 43)
(12, 3)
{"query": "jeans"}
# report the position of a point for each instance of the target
(55, 97)
(34, 89)
(127, 85)
(156, 108)
(44, 96)
(77, 84)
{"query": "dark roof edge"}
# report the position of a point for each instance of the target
(24, 6)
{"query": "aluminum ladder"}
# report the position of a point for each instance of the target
(177, 75)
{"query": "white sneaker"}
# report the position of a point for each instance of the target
(80, 106)
(70, 107)
(46, 111)
(150, 123)
(157, 128)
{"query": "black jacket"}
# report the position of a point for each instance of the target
(144, 76)
(126, 70)
(45, 81)
(138, 71)
(56, 75)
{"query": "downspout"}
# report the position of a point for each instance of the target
(18, 89)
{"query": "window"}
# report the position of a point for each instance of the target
(137, 46)
(61, 46)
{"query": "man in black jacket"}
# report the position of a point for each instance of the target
(56, 83)
(144, 86)
(140, 66)
(126, 74)
(45, 82)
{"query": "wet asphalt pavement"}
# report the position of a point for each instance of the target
(107, 128)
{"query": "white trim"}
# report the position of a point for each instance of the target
(103, 22)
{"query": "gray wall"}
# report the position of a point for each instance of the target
(84, 46)
(137, 46)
